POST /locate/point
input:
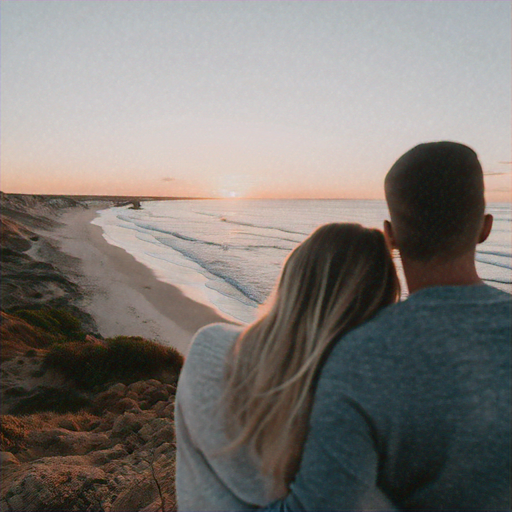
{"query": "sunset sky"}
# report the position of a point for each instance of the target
(247, 98)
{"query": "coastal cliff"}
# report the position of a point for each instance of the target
(86, 422)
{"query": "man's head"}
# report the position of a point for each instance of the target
(435, 195)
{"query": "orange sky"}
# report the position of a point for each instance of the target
(247, 99)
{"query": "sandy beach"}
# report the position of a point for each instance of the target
(122, 295)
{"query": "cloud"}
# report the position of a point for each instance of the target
(168, 179)
(495, 173)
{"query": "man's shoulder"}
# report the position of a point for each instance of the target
(383, 324)
(441, 299)
(427, 314)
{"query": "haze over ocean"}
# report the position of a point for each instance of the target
(228, 253)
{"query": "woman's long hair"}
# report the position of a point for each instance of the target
(336, 279)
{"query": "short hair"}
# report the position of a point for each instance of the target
(435, 195)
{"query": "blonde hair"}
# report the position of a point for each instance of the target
(339, 277)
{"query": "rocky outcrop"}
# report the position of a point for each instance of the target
(117, 456)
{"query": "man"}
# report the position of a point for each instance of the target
(416, 404)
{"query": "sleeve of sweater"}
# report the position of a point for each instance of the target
(205, 478)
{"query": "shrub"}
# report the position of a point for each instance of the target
(126, 359)
(37, 318)
(68, 324)
(18, 336)
(58, 322)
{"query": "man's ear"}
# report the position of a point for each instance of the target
(486, 228)
(389, 235)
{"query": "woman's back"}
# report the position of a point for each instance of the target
(206, 480)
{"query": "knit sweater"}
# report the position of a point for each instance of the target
(417, 401)
(205, 479)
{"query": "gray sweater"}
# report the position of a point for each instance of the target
(205, 479)
(416, 402)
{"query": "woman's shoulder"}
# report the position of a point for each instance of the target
(215, 337)
(202, 376)
(212, 343)
(218, 331)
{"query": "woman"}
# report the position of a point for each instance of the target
(244, 396)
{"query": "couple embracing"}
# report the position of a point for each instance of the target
(340, 397)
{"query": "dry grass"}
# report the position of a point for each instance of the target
(126, 359)
(14, 429)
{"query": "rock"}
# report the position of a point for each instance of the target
(132, 442)
(169, 411)
(55, 485)
(132, 395)
(159, 408)
(171, 389)
(136, 497)
(153, 382)
(139, 387)
(126, 423)
(117, 468)
(144, 404)
(63, 442)
(164, 435)
(154, 395)
(109, 399)
(127, 404)
(118, 389)
(151, 430)
(106, 422)
(104, 456)
(164, 449)
(81, 443)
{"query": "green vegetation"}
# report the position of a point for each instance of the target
(88, 362)
(57, 322)
(92, 365)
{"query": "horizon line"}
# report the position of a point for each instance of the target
(108, 197)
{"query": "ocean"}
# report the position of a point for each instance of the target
(228, 253)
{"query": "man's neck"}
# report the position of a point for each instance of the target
(459, 271)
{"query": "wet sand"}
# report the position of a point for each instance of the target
(122, 295)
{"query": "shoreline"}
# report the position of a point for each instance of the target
(122, 295)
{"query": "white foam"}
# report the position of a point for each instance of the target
(221, 253)
(171, 267)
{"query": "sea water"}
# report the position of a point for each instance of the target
(228, 253)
